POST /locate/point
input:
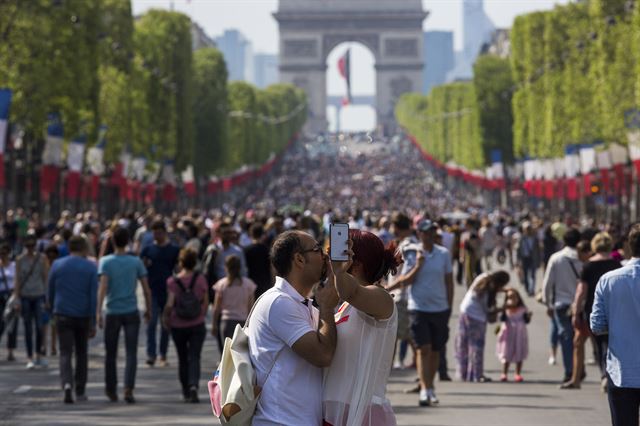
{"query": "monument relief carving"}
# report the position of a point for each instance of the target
(401, 47)
(301, 48)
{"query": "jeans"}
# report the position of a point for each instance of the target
(113, 324)
(624, 404)
(12, 333)
(189, 341)
(565, 334)
(32, 310)
(529, 273)
(553, 333)
(157, 305)
(73, 334)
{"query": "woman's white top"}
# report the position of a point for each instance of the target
(356, 382)
(473, 304)
(10, 275)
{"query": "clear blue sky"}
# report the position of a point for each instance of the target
(253, 18)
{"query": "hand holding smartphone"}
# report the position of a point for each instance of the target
(338, 237)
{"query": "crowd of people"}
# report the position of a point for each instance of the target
(66, 279)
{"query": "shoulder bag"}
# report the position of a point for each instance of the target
(233, 391)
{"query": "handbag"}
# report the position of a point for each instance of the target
(10, 314)
(233, 391)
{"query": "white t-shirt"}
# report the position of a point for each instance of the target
(292, 392)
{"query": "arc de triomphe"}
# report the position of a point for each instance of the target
(390, 29)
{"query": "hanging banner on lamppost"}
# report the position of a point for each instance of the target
(5, 103)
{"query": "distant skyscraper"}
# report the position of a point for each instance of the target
(266, 69)
(438, 58)
(238, 55)
(478, 29)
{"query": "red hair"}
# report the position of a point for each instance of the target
(376, 260)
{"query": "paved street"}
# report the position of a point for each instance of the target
(34, 398)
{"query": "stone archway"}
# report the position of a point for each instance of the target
(390, 29)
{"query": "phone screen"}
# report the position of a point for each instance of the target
(338, 236)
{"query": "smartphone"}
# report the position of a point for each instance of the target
(338, 236)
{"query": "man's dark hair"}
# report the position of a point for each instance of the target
(121, 237)
(572, 237)
(282, 251)
(78, 244)
(634, 239)
(66, 234)
(158, 225)
(256, 231)
(401, 221)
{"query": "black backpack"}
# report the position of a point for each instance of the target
(188, 305)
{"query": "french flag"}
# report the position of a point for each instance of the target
(75, 162)
(51, 156)
(5, 103)
(95, 162)
(188, 181)
(169, 180)
(344, 67)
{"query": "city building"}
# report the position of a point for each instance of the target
(439, 58)
(477, 31)
(238, 55)
(499, 45)
(199, 38)
(265, 69)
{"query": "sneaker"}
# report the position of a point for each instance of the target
(503, 378)
(68, 398)
(31, 365)
(397, 365)
(423, 400)
(518, 378)
(163, 363)
(128, 396)
(433, 399)
(552, 360)
(151, 362)
(193, 396)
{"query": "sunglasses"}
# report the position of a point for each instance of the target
(316, 249)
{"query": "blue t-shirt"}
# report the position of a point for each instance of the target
(123, 272)
(160, 262)
(429, 290)
(73, 287)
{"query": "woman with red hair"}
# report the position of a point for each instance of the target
(355, 383)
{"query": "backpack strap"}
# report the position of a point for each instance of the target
(178, 281)
(194, 277)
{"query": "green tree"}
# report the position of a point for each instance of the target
(163, 40)
(493, 84)
(209, 111)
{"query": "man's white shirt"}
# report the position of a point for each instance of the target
(292, 392)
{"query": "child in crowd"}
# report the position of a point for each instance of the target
(513, 342)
